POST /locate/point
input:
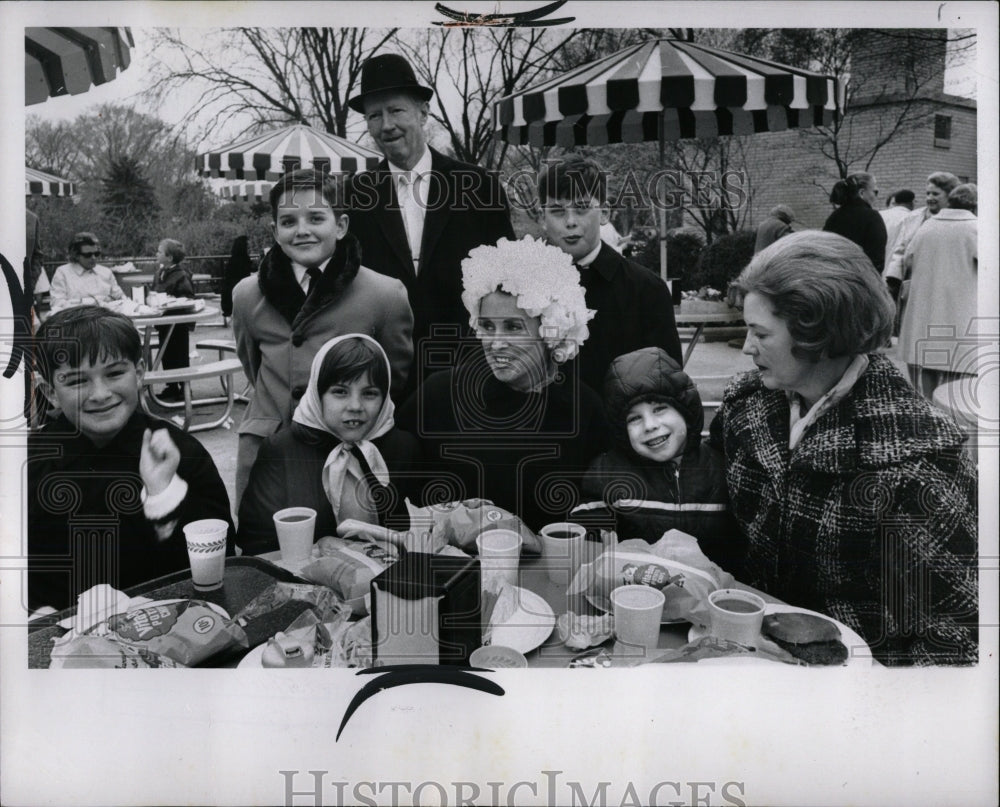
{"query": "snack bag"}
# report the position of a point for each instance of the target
(460, 523)
(348, 567)
(188, 631)
(675, 564)
(73, 651)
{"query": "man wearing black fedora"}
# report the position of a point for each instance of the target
(419, 213)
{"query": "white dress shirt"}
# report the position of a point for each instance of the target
(73, 285)
(412, 190)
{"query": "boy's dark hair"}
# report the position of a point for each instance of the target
(329, 186)
(84, 332)
(81, 240)
(572, 178)
(348, 360)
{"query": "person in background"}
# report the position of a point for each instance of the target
(939, 185)
(853, 492)
(310, 287)
(110, 488)
(778, 223)
(898, 207)
(942, 261)
(83, 280)
(855, 217)
(173, 278)
(36, 282)
(238, 267)
(634, 306)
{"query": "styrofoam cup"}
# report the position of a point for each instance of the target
(296, 527)
(562, 549)
(500, 553)
(637, 611)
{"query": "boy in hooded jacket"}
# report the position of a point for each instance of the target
(659, 474)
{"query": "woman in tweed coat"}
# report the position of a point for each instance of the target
(853, 492)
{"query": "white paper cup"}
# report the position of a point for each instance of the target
(296, 527)
(562, 549)
(736, 615)
(637, 611)
(206, 545)
(500, 553)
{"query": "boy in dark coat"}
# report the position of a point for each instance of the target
(109, 487)
(634, 307)
(659, 475)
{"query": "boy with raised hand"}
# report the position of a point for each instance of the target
(110, 488)
(634, 307)
(310, 287)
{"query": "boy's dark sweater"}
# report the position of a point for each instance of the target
(86, 523)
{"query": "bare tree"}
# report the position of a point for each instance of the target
(269, 75)
(883, 102)
(472, 69)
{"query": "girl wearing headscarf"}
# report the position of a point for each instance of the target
(341, 456)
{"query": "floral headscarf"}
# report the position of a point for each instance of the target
(543, 281)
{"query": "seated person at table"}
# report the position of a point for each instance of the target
(174, 279)
(659, 474)
(83, 281)
(310, 287)
(341, 455)
(853, 491)
(511, 422)
(633, 305)
(109, 487)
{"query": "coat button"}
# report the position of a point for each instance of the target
(297, 339)
(298, 392)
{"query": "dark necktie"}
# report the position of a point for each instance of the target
(382, 496)
(314, 276)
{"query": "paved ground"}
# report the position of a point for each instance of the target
(715, 362)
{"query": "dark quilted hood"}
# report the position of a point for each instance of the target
(650, 371)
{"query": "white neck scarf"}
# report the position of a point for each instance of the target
(340, 461)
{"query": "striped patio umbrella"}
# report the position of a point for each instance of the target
(256, 191)
(666, 89)
(69, 61)
(38, 183)
(268, 156)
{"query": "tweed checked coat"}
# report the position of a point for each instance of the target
(871, 519)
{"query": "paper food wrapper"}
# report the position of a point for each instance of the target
(168, 634)
(580, 631)
(460, 523)
(336, 642)
(691, 575)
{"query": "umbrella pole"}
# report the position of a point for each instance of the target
(662, 206)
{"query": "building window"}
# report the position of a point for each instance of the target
(942, 131)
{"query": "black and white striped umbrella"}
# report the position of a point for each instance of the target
(69, 61)
(665, 89)
(39, 183)
(267, 156)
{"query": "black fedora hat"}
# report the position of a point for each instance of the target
(390, 71)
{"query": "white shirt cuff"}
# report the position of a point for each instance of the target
(166, 501)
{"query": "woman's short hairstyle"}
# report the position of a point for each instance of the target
(964, 197)
(81, 240)
(173, 250)
(827, 292)
(347, 361)
(84, 332)
(945, 181)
